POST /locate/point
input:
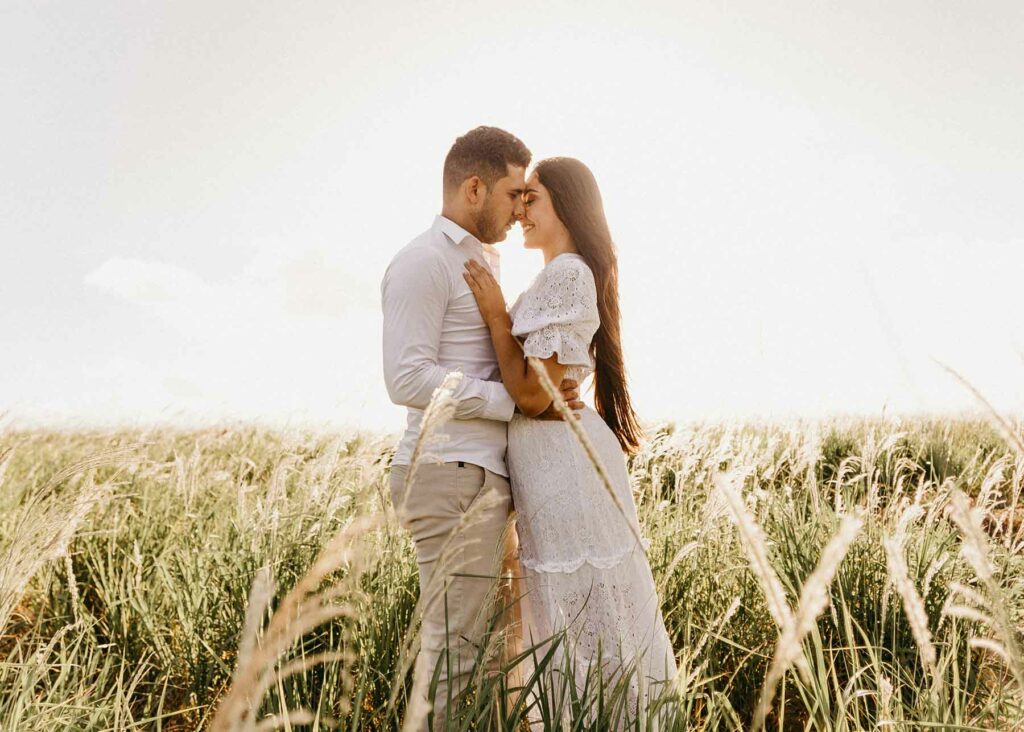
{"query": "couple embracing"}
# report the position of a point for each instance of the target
(580, 567)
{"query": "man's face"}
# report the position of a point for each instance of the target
(502, 207)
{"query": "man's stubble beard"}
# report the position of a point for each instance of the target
(491, 231)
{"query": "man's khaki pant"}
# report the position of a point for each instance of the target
(458, 515)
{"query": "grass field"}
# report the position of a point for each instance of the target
(128, 561)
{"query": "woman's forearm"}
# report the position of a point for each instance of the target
(520, 381)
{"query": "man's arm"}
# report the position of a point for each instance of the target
(414, 296)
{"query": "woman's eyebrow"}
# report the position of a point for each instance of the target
(529, 190)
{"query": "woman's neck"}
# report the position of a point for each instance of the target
(563, 247)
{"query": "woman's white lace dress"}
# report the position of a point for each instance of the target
(584, 569)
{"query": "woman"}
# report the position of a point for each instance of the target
(584, 569)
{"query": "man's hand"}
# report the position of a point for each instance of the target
(571, 394)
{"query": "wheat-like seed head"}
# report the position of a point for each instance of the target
(912, 602)
(993, 647)
(885, 697)
(964, 612)
(969, 593)
(753, 542)
(975, 545)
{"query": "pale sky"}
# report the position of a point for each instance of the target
(813, 201)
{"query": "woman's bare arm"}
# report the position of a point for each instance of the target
(520, 380)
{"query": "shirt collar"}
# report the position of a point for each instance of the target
(455, 233)
(458, 236)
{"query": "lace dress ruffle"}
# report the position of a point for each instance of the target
(558, 314)
(602, 607)
(607, 562)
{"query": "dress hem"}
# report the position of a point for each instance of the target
(606, 562)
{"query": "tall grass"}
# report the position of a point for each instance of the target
(143, 572)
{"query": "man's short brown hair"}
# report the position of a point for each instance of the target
(485, 152)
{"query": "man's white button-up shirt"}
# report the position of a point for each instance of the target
(432, 325)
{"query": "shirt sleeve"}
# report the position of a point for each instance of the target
(560, 316)
(414, 297)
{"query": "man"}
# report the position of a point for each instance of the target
(432, 326)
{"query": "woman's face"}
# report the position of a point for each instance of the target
(541, 225)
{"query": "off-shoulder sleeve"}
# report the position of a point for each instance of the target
(558, 315)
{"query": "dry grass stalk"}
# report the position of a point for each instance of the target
(581, 434)
(260, 596)
(913, 605)
(814, 598)
(910, 514)
(753, 542)
(976, 551)
(69, 570)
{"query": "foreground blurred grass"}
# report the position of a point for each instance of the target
(126, 576)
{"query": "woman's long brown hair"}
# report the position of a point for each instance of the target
(577, 201)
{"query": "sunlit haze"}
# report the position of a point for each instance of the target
(815, 204)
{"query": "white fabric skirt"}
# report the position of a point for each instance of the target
(584, 570)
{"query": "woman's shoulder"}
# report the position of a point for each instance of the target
(568, 268)
(565, 276)
(565, 283)
(563, 293)
(570, 261)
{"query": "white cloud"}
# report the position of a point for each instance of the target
(291, 336)
(308, 283)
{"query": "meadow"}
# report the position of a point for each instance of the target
(841, 575)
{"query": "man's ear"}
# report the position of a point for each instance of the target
(475, 189)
